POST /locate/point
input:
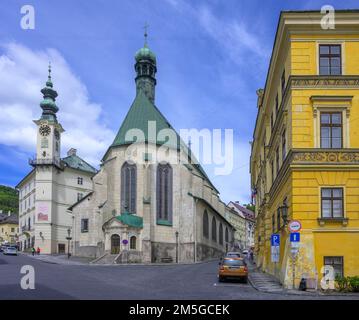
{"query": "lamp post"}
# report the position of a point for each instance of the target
(176, 246)
(68, 238)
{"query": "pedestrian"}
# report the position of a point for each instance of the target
(251, 255)
(33, 251)
(38, 250)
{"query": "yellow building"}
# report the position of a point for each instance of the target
(9, 228)
(305, 150)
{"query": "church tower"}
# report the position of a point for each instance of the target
(146, 71)
(48, 148)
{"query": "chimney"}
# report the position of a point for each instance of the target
(72, 152)
(237, 202)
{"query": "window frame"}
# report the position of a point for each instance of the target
(282, 79)
(164, 194)
(129, 187)
(330, 56)
(330, 126)
(284, 144)
(332, 198)
(205, 225)
(334, 264)
(83, 229)
(214, 229)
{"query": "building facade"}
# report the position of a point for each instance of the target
(244, 224)
(151, 201)
(305, 150)
(51, 186)
(9, 228)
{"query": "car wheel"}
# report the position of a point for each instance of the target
(245, 280)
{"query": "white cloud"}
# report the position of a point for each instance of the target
(23, 74)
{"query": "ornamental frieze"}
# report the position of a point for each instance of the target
(326, 157)
(325, 82)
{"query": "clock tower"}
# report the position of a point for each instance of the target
(48, 149)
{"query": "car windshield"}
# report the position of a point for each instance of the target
(234, 263)
(233, 255)
(11, 248)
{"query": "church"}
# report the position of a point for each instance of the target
(149, 202)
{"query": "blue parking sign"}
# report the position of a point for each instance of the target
(275, 240)
(295, 237)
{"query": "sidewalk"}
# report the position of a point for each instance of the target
(60, 259)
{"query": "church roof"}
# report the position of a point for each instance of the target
(75, 162)
(12, 219)
(131, 220)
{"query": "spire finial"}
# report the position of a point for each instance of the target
(146, 34)
(49, 81)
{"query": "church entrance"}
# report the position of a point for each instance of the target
(115, 244)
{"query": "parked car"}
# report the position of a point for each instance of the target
(232, 255)
(233, 268)
(245, 252)
(10, 251)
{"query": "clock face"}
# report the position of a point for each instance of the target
(45, 130)
(57, 134)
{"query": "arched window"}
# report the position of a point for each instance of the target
(226, 235)
(164, 192)
(214, 229)
(220, 234)
(128, 187)
(205, 225)
(133, 243)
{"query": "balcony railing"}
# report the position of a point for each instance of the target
(47, 162)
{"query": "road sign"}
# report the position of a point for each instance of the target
(275, 253)
(295, 244)
(295, 237)
(275, 240)
(294, 226)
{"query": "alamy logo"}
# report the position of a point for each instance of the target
(28, 280)
(28, 19)
(328, 20)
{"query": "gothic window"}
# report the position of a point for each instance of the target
(205, 224)
(164, 192)
(214, 229)
(133, 243)
(220, 234)
(226, 235)
(128, 187)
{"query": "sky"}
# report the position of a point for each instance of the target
(212, 56)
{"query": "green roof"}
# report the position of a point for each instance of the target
(144, 54)
(131, 220)
(141, 112)
(75, 162)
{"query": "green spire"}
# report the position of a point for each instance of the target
(48, 105)
(146, 70)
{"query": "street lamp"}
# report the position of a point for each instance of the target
(68, 238)
(176, 246)
(284, 211)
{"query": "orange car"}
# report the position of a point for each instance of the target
(233, 268)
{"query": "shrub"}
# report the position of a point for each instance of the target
(354, 283)
(342, 283)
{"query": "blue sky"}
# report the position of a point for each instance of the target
(212, 56)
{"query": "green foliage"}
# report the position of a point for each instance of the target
(9, 199)
(354, 283)
(249, 206)
(347, 283)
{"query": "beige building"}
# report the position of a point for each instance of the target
(151, 202)
(51, 186)
(9, 228)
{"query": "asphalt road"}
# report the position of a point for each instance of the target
(133, 282)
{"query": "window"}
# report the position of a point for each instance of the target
(330, 60)
(272, 170)
(220, 234)
(271, 121)
(284, 145)
(336, 263)
(164, 192)
(278, 219)
(80, 180)
(277, 160)
(276, 104)
(84, 225)
(79, 196)
(128, 187)
(331, 129)
(332, 203)
(214, 229)
(226, 238)
(12, 229)
(133, 243)
(283, 82)
(205, 225)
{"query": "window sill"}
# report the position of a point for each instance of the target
(323, 221)
(164, 223)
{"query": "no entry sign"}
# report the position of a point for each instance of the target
(294, 226)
